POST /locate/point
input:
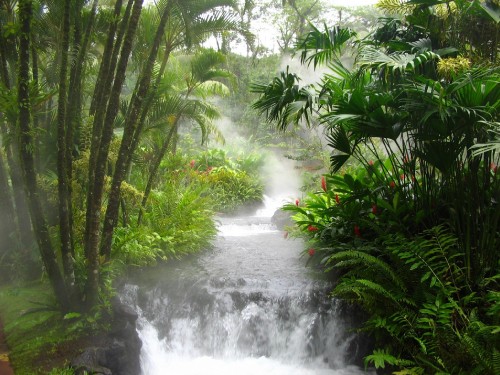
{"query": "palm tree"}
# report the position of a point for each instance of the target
(27, 160)
(202, 81)
(194, 18)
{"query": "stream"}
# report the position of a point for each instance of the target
(247, 306)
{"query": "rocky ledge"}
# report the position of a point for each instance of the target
(119, 355)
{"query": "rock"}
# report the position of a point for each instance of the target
(120, 355)
(282, 219)
(89, 362)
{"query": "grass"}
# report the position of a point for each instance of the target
(40, 340)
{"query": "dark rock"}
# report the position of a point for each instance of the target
(120, 354)
(89, 362)
(282, 219)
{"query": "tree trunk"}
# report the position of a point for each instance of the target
(111, 49)
(74, 106)
(102, 91)
(27, 162)
(24, 232)
(154, 170)
(62, 166)
(130, 138)
(94, 200)
(22, 214)
(8, 230)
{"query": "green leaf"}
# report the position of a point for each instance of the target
(72, 315)
(491, 8)
(379, 358)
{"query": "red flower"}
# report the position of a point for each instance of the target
(392, 184)
(323, 183)
(312, 228)
(297, 202)
(337, 199)
(285, 235)
(371, 162)
(192, 163)
(357, 232)
(311, 252)
(374, 209)
(493, 167)
(402, 177)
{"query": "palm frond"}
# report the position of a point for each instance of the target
(283, 101)
(374, 58)
(210, 88)
(320, 47)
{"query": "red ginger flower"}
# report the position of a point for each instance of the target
(323, 183)
(493, 167)
(311, 252)
(337, 199)
(357, 232)
(371, 163)
(392, 184)
(297, 202)
(312, 228)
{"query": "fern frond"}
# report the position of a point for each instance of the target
(366, 261)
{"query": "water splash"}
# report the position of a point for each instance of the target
(248, 307)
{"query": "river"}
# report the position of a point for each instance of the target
(248, 306)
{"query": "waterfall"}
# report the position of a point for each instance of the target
(247, 306)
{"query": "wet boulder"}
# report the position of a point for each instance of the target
(120, 352)
(282, 219)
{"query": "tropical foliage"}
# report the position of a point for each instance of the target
(88, 90)
(412, 232)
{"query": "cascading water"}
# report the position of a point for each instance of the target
(248, 306)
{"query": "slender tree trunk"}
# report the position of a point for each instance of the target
(95, 202)
(62, 166)
(23, 220)
(4, 70)
(27, 162)
(8, 230)
(24, 233)
(111, 49)
(102, 91)
(154, 170)
(74, 110)
(74, 106)
(130, 138)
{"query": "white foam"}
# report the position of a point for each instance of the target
(236, 230)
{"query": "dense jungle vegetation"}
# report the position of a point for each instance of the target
(112, 156)
(411, 227)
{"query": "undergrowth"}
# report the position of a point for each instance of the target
(40, 339)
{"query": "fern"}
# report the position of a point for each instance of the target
(368, 262)
(436, 257)
(380, 358)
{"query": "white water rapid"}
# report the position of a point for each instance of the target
(247, 307)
